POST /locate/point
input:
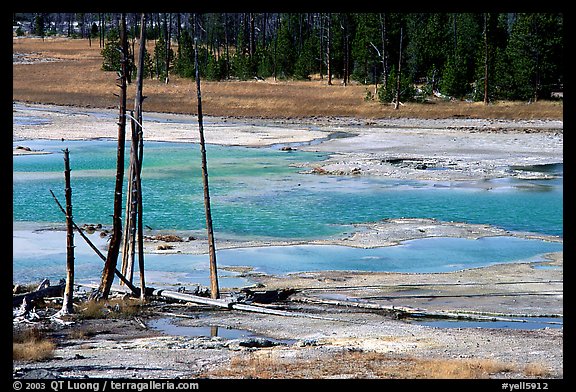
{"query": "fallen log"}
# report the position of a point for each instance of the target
(397, 311)
(192, 298)
(230, 304)
(405, 311)
(46, 291)
(284, 313)
(267, 296)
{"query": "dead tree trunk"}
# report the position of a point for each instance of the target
(397, 103)
(214, 290)
(328, 44)
(101, 30)
(226, 46)
(383, 37)
(67, 303)
(251, 36)
(133, 228)
(43, 291)
(129, 237)
(140, 150)
(168, 33)
(114, 248)
(130, 221)
(276, 31)
(346, 71)
(485, 59)
(321, 62)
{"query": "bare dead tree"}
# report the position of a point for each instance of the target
(67, 303)
(321, 57)
(384, 53)
(485, 59)
(397, 103)
(101, 33)
(346, 72)
(133, 200)
(251, 35)
(328, 44)
(115, 241)
(168, 38)
(214, 290)
(277, 23)
(128, 238)
(139, 151)
(226, 46)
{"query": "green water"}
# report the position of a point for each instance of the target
(260, 193)
(256, 193)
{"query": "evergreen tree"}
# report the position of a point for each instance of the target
(465, 55)
(111, 52)
(407, 90)
(337, 52)
(243, 64)
(366, 49)
(215, 68)
(535, 54)
(265, 60)
(40, 25)
(305, 64)
(184, 62)
(459, 70)
(429, 41)
(496, 38)
(111, 55)
(160, 57)
(285, 47)
(94, 30)
(148, 70)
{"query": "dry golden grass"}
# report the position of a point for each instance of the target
(81, 333)
(536, 370)
(114, 308)
(78, 80)
(31, 345)
(366, 365)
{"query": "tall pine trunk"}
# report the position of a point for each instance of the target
(134, 197)
(384, 54)
(168, 34)
(485, 59)
(139, 150)
(398, 78)
(114, 247)
(214, 290)
(67, 307)
(328, 44)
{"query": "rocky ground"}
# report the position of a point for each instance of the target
(334, 317)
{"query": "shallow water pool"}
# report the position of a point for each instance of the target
(42, 254)
(522, 323)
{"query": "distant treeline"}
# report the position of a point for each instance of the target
(473, 56)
